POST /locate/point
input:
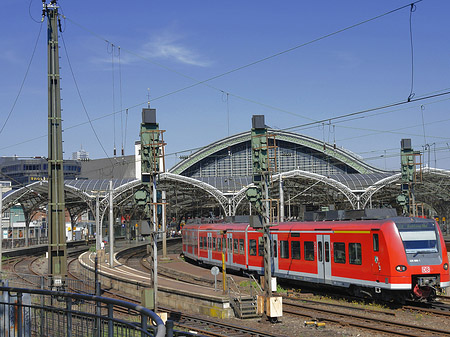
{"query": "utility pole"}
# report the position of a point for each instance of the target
(57, 264)
(152, 151)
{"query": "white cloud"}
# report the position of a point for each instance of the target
(162, 47)
(10, 57)
(166, 46)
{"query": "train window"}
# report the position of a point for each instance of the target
(219, 244)
(213, 243)
(205, 244)
(327, 251)
(354, 253)
(275, 249)
(252, 246)
(230, 244)
(284, 249)
(319, 251)
(224, 243)
(241, 246)
(295, 250)
(339, 252)
(236, 246)
(201, 243)
(376, 246)
(309, 250)
(419, 242)
(260, 246)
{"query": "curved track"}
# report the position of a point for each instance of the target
(369, 323)
(345, 314)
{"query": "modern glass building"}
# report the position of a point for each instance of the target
(22, 172)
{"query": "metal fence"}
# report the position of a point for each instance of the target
(38, 312)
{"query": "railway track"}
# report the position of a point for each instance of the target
(361, 319)
(201, 326)
(210, 327)
(368, 323)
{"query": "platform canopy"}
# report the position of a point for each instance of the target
(212, 182)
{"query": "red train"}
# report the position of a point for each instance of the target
(391, 259)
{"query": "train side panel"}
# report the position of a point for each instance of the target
(381, 258)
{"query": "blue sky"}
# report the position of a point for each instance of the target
(170, 45)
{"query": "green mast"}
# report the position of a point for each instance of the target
(57, 258)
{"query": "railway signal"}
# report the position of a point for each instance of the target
(408, 169)
(152, 162)
(258, 195)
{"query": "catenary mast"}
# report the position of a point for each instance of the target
(57, 258)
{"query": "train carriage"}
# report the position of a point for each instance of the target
(396, 258)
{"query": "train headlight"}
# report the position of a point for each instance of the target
(445, 266)
(400, 268)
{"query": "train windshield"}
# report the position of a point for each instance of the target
(418, 238)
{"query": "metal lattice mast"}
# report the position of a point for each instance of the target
(152, 162)
(258, 195)
(409, 178)
(57, 264)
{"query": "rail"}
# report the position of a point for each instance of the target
(31, 312)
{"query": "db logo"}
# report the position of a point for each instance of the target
(426, 270)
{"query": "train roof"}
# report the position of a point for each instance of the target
(290, 226)
(314, 225)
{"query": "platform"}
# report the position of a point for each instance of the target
(172, 293)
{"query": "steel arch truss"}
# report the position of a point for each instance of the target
(347, 192)
(193, 188)
(34, 196)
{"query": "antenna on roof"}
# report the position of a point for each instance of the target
(148, 97)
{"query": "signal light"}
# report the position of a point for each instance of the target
(445, 266)
(400, 268)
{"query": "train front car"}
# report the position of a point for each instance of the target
(426, 267)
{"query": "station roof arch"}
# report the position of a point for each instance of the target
(346, 160)
(196, 183)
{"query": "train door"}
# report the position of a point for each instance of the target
(323, 258)
(275, 253)
(209, 245)
(230, 248)
(376, 264)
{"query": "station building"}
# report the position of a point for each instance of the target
(310, 175)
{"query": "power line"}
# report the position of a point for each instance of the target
(366, 111)
(82, 102)
(243, 66)
(23, 81)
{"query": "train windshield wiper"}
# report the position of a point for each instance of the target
(421, 252)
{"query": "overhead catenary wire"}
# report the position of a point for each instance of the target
(23, 80)
(121, 102)
(204, 82)
(327, 119)
(113, 98)
(82, 101)
(412, 10)
(367, 110)
(303, 126)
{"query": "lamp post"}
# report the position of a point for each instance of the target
(11, 225)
